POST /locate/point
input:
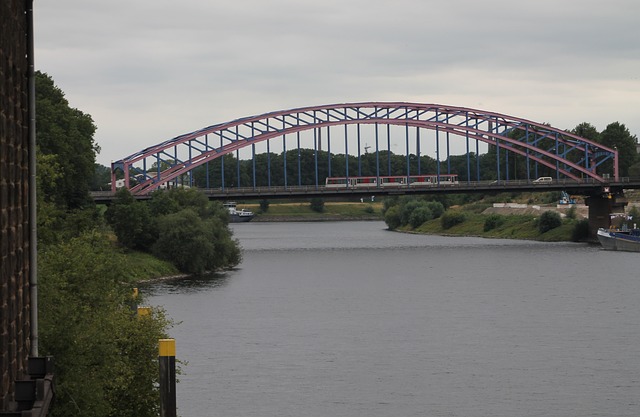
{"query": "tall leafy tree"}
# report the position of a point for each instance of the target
(131, 221)
(617, 136)
(67, 133)
(587, 131)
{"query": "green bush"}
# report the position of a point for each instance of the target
(264, 206)
(493, 221)
(580, 232)
(451, 218)
(408, 208)
(436, 208)
(549, 220)
(392, 217)
(105, 358)
(420, 215)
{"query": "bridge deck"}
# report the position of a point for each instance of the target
(586, 188)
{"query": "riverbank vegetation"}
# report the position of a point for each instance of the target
(179, 225)
(105, 355)
(475, 218)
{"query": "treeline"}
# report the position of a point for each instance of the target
(105, 357)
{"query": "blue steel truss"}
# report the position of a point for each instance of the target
(568, 155)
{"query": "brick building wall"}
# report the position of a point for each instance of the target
(14, 193)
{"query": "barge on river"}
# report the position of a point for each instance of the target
(620, 240)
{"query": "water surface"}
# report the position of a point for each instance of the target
(349, 319)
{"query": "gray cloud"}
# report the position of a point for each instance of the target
(150, 70)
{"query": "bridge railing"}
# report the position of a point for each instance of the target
(587, 184)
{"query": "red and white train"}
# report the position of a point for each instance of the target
(392, 181)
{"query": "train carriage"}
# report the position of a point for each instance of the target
(392, 181)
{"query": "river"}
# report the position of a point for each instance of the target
(342, 319)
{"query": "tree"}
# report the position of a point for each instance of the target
(66, 133)
(587, 131)
(132, 222)
(101, 178)
(195, 245)
(549, 220)
(420, 215)
(179, 225)
(451, 218)
(106, 359)
(392, 217)
(617, 136)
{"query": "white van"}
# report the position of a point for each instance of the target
(543, 180)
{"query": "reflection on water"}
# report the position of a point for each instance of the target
(186, 284)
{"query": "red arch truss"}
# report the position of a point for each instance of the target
(570, 155)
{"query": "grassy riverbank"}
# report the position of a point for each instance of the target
(144, 266)
(511, 224)
(512, 227)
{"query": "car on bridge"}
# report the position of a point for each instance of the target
(543, 180)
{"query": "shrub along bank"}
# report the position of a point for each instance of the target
(470, 220)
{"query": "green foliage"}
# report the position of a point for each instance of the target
(66, 133)
(388, 203)
(407, 209)
(493, 221)
(132, 221)
(101, 178)
(193, 244)
(369, 209)
(617, 136)
(451, 218)
(420, 215)
(436, 208)
(411, 211)
(179, 225)
(317, 204)
(572, 212)
(549, 220)
(106, 359)
(580, 231)
(264, 206)
(392, 217)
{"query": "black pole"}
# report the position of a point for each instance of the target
(167, 360)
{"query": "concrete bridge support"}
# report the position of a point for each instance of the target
(600, 209)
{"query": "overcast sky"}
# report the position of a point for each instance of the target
(147, 71)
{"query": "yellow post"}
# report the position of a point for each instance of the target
(144, 311)
(134, 300)
(167, 360)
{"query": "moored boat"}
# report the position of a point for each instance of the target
(620, 240)
(238, 216)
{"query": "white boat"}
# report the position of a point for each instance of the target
(620, 240)
(238, 216)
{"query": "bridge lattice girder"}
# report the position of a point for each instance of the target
(570, 155)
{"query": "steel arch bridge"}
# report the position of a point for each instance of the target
(568, 156)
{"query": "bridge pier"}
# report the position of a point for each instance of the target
(600, 209)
